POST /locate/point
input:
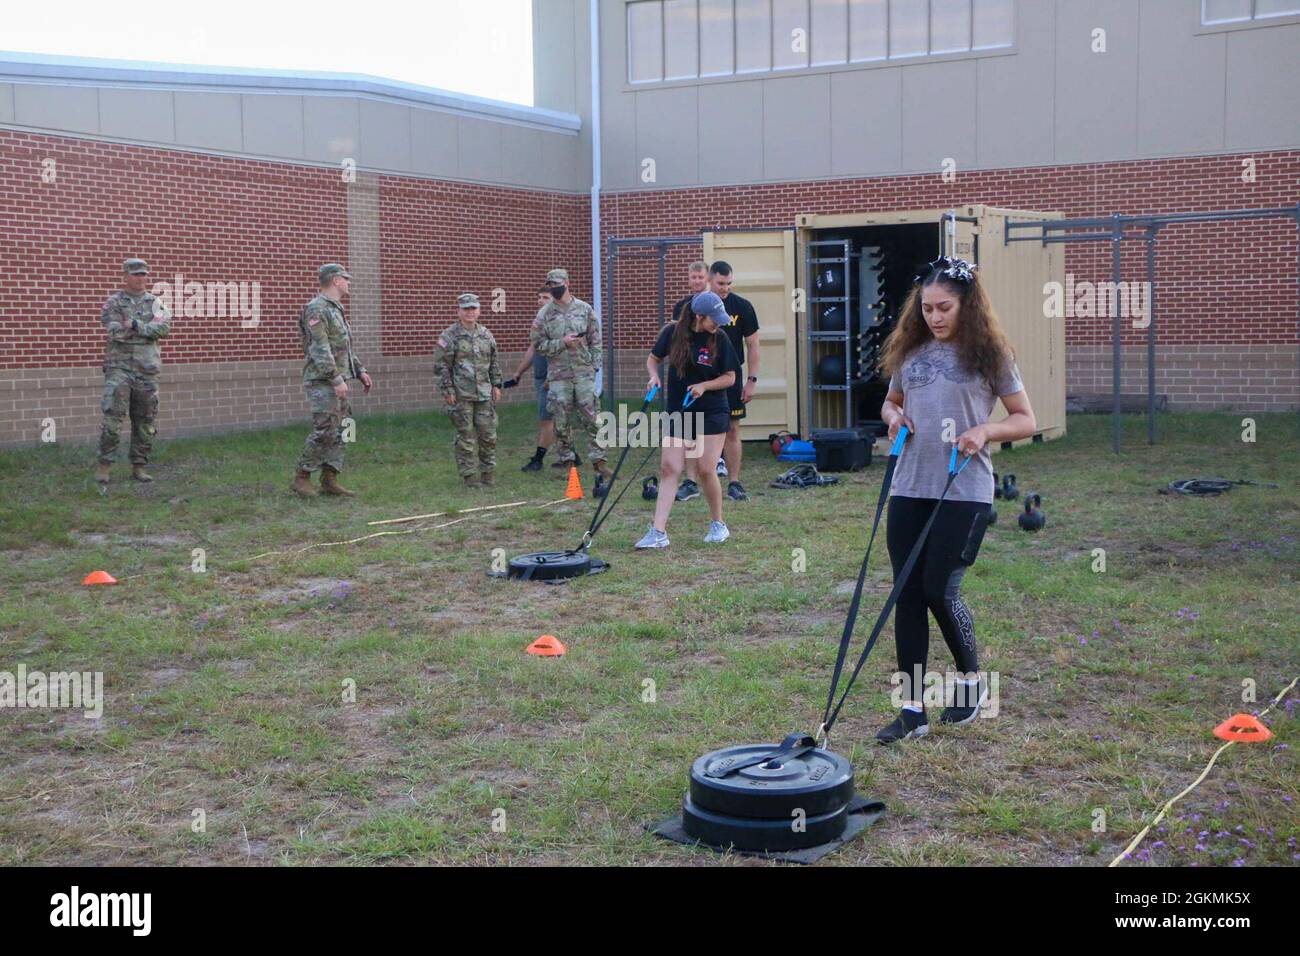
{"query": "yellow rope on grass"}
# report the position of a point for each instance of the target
(1128, 850)
(465, 516)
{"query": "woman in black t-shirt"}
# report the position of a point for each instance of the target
(700, 361)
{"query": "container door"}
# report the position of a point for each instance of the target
(1018, 276)
(959, 235)
(763, 268)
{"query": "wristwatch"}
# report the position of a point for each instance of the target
(753, 378)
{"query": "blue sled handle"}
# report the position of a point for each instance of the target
(689, 400)
(899, 440)
(952, 463)
(650, 395)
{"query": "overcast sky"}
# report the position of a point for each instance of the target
(481, 47)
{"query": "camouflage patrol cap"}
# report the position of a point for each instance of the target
(135, 267)
(330, 270)
(467, 301)
(557, 275)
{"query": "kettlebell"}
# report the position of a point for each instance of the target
(1031, 519)
(1009, 490)
(650, 488)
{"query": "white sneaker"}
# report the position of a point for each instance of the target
(654, 538)
(722, 468)
(718, 533)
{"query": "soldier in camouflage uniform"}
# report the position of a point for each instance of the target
(469, 377)
(567, 332)
(327, 346)
(135, 320)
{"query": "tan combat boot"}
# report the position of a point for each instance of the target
(139, 474)
(101, 472)
(488, 479)
(329, 484)
(471, 481)
(302, 486)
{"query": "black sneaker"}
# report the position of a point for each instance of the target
(736, 491)
(964, 715)
(908, 724)
(534, 464)
(688, 490)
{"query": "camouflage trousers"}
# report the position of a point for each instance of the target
(324, 446)
(476, 436)
(573, 404)
(134, 394)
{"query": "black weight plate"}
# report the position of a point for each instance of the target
(817, 782)
(718, 829)
(549, 565)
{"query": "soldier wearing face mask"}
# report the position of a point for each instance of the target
(567, 332)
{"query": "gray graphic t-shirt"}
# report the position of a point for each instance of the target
(936, 386)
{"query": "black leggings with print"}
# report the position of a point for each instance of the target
(934, 585)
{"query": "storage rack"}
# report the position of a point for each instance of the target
(823, 252)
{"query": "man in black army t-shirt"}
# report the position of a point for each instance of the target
(743, 332)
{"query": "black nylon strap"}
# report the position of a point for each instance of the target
(596, 519)
(897, 589)
(795, 745)
(591, 533)
(852, 618)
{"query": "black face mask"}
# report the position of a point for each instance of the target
(558, 291)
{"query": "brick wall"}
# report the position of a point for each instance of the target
(412, 246)
(1227, 293)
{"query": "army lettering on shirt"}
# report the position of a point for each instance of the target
(327, 343)
(465, 362)
(554, 321)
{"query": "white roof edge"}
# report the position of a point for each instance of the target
(41, 67)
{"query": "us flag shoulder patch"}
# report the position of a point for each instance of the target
(313, 321)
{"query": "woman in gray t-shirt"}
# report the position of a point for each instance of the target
(949, 361)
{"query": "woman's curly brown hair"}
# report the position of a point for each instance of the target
(981, 343)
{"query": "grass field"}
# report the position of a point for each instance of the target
(225, 689)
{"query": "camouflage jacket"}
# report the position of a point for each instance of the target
(554, 321)
(465, 363)
(327, 344)
(134, 347)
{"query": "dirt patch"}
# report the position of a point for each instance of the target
(97, 539)
(306, 589)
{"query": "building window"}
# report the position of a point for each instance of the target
(1215, 12)
(690, 39)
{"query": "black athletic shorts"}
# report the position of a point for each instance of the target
(714, 423)
(734, 399)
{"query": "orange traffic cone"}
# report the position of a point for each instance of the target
(574, 491)
(1244, 728)
(99, 577)
(548, 645)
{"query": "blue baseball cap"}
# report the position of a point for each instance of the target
(709, 304)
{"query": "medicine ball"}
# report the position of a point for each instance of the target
(830, 280)
(830, 370)
(832, 318)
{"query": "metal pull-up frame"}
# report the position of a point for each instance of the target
(1115, 229)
